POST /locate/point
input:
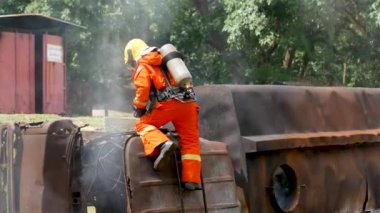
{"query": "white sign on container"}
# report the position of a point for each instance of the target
(54, 53)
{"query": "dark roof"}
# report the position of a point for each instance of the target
(34, 22)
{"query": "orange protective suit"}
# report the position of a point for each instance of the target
(184, 117)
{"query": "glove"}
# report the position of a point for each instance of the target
(137, 113)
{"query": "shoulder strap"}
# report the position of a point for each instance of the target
(164, 72)
(152, 98)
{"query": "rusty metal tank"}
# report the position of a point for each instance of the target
(298, 149)
(40, 168)
(293, 149)
(118, 178)
(11, 149)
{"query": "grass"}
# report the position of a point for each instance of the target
(97, 123)
(28, 118)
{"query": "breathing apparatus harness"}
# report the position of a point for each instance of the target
(184, 94)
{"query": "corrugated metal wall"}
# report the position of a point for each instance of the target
(17, 82)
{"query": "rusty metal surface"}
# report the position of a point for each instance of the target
(327, 179)
(268, 110)
(53, 78)
(324, 137)
(50, 169)
(10, 162)
(309, 140)
(16, 72)
(151, 191)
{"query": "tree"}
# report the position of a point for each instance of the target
(314, 42)
(321, 40)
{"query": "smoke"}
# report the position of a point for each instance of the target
(102, 58)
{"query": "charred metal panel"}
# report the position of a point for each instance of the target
(10, 164)
(218, 121)
(53, 75)
(151, 191)
(51, 168)
(16, 72)
(269, 110)
(103, 173)
(257, 122)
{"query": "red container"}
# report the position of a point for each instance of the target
(32, 64)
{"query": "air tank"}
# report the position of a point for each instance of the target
(176, 66)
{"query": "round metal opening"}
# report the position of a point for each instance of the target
(284, 188)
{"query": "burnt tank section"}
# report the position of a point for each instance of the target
(264, 149)
(298, 149)
(40, 168)
(11, 150)
(51, 168)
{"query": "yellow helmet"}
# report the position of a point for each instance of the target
(133, 49)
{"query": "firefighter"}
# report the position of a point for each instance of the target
(148, 75)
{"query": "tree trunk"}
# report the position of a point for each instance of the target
(344, 73)
(289, 57)
(305, 63)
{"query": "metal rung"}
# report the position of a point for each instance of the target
(171, 181)
(142, 154)
(218, 206)
(158, 182)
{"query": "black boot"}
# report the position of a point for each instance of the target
(163, 159)
(191, 186)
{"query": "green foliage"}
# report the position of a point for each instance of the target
(13, 6)
(225, 41)
(326, 36)
(194, 32)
